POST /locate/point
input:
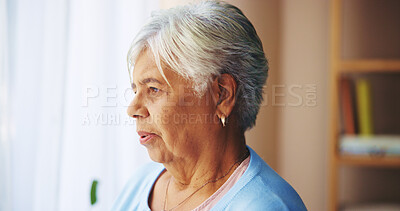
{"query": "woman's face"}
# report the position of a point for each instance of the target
(171, 121)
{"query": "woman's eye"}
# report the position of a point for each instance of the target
(155, 90)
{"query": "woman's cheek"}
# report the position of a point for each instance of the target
(163, 117)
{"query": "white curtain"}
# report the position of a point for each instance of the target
(64, 68)
(5, 162)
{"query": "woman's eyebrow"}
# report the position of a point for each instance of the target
(146, 81)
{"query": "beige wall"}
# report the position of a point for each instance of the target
(292, 139)
(302, 156)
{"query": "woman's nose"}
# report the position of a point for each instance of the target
(137, 108)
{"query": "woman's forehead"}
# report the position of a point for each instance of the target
(145, 70)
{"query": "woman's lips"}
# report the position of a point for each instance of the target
(145, 137)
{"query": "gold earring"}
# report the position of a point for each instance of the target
(223, 120)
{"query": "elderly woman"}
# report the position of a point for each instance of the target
(198, 73)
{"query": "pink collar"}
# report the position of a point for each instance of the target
(213, 199)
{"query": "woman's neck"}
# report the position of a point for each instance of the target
(215, 160)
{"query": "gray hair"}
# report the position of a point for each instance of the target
(199, 41)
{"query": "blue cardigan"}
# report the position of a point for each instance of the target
(259, 188)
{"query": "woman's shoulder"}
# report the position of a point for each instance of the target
(145, 174)
(261, 188)
(268, 192)
(138, 187)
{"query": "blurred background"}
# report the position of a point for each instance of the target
(64, 90)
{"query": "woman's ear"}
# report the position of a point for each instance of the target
(224, 90)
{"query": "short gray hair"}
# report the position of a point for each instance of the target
(206, 39)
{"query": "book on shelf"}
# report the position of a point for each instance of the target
(347, 106)
(376, 145)
(370, 104)
(364, 104)
(370, 107)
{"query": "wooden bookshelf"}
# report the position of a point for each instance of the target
(339, 66)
